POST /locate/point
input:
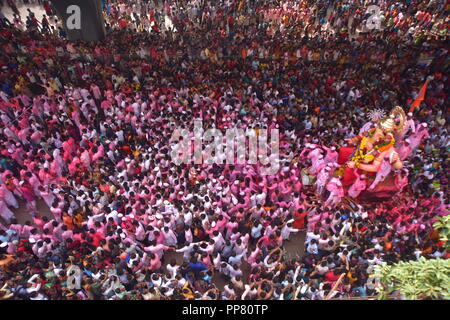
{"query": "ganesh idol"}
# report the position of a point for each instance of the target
(372, 154)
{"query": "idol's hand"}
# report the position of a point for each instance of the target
(395, 157)
(351, 164)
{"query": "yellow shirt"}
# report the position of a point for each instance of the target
(351, 279)
(188, 295)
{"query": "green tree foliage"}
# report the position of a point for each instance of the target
(423, 279)
(443, 225)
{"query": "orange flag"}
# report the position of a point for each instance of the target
(420, 97)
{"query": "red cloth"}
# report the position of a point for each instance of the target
(349, 177)
(299, 220)
(123, 23)
(331, 277)
(343, 157)
(344, 154)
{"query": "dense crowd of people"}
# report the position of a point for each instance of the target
(86, 128)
